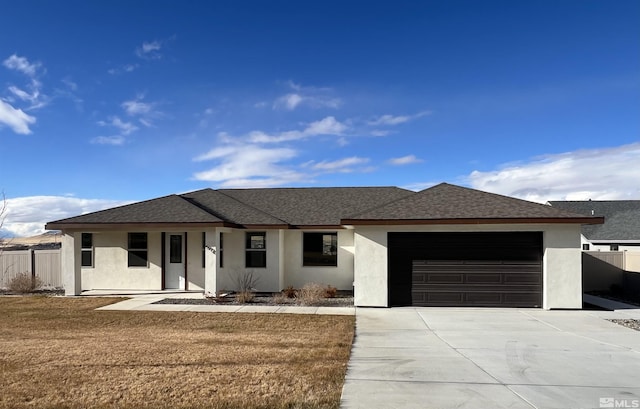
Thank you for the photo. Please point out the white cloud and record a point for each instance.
(116, 140)
(325, 126)
(145, 112)
(21, 64)
(70, 84)
(125, 127)
(249, 165)
(405, 160)
(26, 216)
(123, 68)
(150, 50)
(396, 119)
(378, 132)
(342, 165)
(312, 97)
(15, 119)
(598, 174)
(136, 107)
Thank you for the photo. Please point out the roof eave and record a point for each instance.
(533, 220)
(129, 226)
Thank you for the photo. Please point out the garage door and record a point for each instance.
(488, 269)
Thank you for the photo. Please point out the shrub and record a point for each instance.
(244, 297)
(330, 292)
(281, 298)
(246, 286)
(310, 294)
(24, 283)
(289, 292)
(246, 281)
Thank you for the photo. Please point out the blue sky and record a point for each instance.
(106, 102)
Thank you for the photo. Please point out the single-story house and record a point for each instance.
(620, 230)
(444, 246)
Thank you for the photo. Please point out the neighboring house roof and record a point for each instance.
(445, 203)
(324, 207)
(621, 218)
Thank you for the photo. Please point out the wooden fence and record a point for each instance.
(603, 269)
(44, 264)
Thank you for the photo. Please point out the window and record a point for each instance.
(175, 248)
(204, 248)
(320, 249)
(221, 250)
(87, 250)
(585, 247)
(137, 248)
(613, 247)
(256, 250)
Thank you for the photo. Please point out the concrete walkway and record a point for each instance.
(144, 302)
(492, 358)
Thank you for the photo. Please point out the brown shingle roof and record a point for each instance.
(316, 206)
(227, 208)
(171, 209)
(456, 204)
(326, 207)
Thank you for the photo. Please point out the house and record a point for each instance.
(444, 246)
(619, 232)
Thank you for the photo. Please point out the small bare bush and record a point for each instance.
(244, 297)
(280, 298)
(290, 292)
(246, 283)
(311, 294)
(24, 283)
(330, 292)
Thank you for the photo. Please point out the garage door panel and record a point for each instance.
(458, 269)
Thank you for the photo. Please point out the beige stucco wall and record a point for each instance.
(296, 275)
(268, 279)
(562, 265)
(110, 269)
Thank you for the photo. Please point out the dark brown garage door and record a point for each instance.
(466, 269)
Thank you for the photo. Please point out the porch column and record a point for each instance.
(70, 263)
(211, 261)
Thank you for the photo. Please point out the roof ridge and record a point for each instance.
(251, 206)
(202, 207)
(410, 193)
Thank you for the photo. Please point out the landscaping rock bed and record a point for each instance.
(342, 301)
(629, 323)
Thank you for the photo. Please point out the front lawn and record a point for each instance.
(59, 352)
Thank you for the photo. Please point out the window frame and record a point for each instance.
(307, 260)
(221, 250)
(131, 249)
(250, 250)
(86, 249)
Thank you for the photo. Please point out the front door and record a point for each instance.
(174, 273)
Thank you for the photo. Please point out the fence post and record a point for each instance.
(32, 263)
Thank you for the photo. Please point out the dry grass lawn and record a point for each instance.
(58, 352)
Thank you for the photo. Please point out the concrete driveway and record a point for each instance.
(492, 358)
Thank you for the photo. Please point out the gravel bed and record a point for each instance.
(259, 300)
(629, 323)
